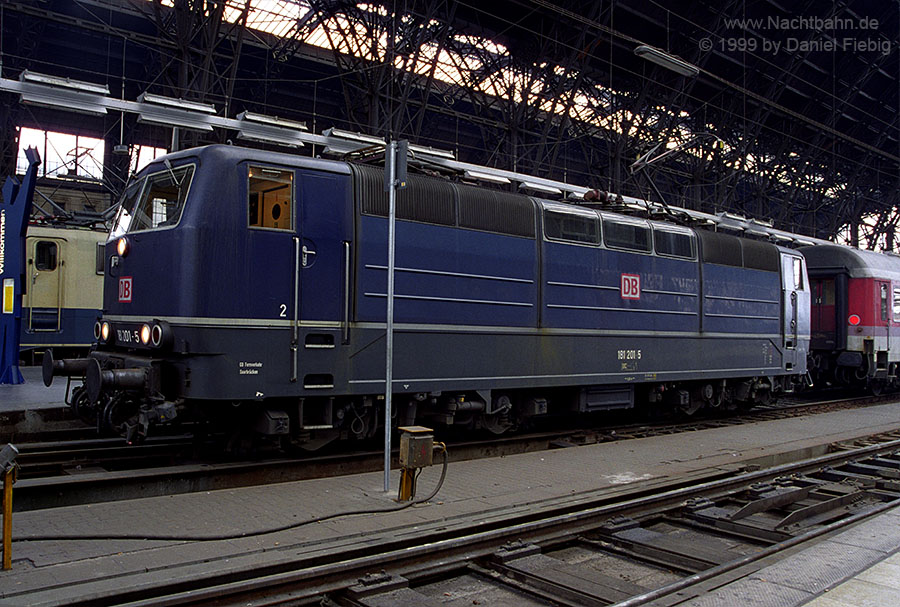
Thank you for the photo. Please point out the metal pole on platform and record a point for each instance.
(7, 518)
(8, 471)
(390, 160)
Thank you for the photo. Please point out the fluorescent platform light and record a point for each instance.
(272, 121)
(757, 232)
(537, 187)
(62, 99)
(57, 81)
(763, 222)
(181, 104)
(165, 116)
(257, 127)
(62, 93)
(425, 150)
(664, 59)
(485, 176)
(360, 137)
(730, 227)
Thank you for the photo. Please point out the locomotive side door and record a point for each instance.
(793, 287)
(43, 295)
(271, 218)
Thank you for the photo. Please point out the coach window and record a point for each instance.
(45, 256)
(271, 198)
(571, 227)
(896, 304)
(884, 302)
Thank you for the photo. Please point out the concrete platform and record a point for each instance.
(31, 408)
(33, 394)
(49, 572)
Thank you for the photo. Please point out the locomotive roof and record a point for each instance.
(234, 153)
(855, 262)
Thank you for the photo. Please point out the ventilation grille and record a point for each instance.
(430, 200)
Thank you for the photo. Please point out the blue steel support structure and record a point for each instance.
(15, 208)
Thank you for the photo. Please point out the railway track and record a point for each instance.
(69, 473)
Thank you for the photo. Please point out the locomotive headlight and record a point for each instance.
(104, 331)
(97, 331)
(161, 334)
(145, 334)
(122, 246)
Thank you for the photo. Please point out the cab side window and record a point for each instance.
(45, 256)
(271, 198)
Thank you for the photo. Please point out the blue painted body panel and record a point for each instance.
(740, 300)
(583, 290)
(448, 276)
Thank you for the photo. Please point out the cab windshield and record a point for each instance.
(155, 201)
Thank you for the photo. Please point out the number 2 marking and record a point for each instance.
(283, 313)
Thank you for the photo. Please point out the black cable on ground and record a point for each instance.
(234, 536)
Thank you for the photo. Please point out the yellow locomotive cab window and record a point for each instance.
(270, 198)
(45, 254)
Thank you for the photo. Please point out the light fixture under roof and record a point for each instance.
(485, 176)
(538, 187)
(664, 59)
(168, 111)
(360, 137)
(272, 121)
(68, 83)
(164, 116)
(371, 140)
(425, 150)
(270, 129)
(181, 104)
(62, 93)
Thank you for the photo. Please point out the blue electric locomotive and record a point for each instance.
(250, 286)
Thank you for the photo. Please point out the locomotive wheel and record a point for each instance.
(692, 407)
(877, 386)
(496, 423)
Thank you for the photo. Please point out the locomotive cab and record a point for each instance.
(204, 294)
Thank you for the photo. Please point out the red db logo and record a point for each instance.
(631, 286)
(125, 289)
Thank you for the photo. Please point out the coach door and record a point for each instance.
(43, 295)
(884, 315)
(823, 311)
